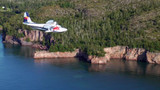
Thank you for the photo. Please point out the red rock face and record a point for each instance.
(123, 52)
(153, 57)
(92, 59)
(135, 54)
(116, 52)
(39, 46)
(33, 35)
(46, 54)
(99, 60)
(10, 39)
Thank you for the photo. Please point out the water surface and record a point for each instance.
(19, 71)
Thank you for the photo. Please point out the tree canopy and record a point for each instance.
(92, 24)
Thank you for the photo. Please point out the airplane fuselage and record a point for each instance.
(36, 26)
(44, 27)
(49, 26)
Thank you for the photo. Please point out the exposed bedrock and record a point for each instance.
(117, 52)
(30, 38)
(153, 57)
(123, 52)
(33, 35)
(76, 53)
(46, 54)
(10, 39)
(137, 54)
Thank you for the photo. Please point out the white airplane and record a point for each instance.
(49, 26)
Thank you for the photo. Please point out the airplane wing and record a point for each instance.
(50, 22)
(48, 27)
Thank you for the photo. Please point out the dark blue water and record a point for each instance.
(19, 71)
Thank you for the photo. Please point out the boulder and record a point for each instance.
(136, 54)
(10, 39)
(39, 46)
(98, 60)
(116, 52)
(153, 57)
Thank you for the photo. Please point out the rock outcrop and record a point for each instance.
(32, 35)
(123, 52)
(76, 53)
(98, 60)
(135, 54)
(39, 46)
(116, 52)
(153, 57)
(10, 39)
(46, 54)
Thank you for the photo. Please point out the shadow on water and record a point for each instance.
(18, 50)
(1, 47)
(127, 67)
(114, 66)
(72, 63)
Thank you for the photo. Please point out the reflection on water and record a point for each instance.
(72, 63)
(26, 51)
(1, 47)
(115, 66)
(130, 67)
(18, 70)
(57, 61)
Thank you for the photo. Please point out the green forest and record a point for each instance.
(92, 24)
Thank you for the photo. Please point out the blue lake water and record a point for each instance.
(19, 71)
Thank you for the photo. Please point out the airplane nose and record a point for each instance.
(65, 29)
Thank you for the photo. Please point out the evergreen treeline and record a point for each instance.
(92, 25)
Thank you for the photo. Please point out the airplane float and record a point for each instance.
(49, 26)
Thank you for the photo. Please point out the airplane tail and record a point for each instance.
(27, 19)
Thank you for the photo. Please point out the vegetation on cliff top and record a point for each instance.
(92, 24)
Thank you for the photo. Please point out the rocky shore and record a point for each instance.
(32, 36)
(117, 52)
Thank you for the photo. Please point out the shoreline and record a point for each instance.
(116, 52)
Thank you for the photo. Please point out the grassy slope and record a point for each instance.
(94, 24)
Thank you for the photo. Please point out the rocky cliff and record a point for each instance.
(117, 52)
(123, 52)
(33, 35)
(46, 54)
(30, 38)
(137, 54)
(153, 57)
